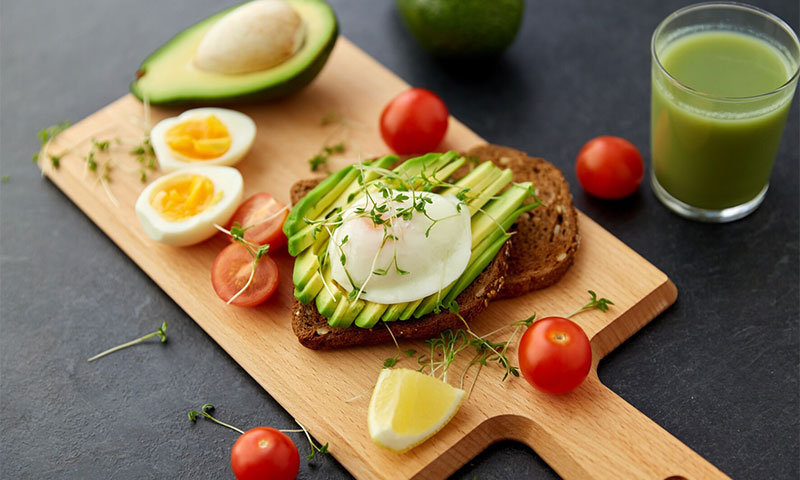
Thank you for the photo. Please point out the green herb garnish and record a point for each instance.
(205, 412)
(594, 302)
(443, 350)
(145, 156)
(46, 136)
(257, 252)
(321, 158)
(160, 333)
(207, 408)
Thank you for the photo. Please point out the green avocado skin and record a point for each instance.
(462, 29)
(269, 91)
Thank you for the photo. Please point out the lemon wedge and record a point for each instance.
(409, 407)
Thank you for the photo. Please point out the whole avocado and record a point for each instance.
(462, 29)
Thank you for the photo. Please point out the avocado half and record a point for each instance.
(168, 76)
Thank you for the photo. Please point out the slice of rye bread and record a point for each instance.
(547, 237)
(313, 331)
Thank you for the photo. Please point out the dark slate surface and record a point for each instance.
(719, 369)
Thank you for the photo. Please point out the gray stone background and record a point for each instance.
(719, 369)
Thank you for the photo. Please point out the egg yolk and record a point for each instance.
(184, 196)
(199, 138)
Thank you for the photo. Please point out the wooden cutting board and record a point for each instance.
(588, 433)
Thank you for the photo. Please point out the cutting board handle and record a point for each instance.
(604, 437)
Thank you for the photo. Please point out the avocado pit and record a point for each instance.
(254, 37)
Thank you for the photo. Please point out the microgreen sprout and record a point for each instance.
(330, 118)
(321, 158)
(145, 157)
(5, 179)
(46, 136)
(442, 350)
(91, 163)
(207, 408)
(205, 412)
(101, 146)
(328, 149)
(392, 361)
(594, 302)
(160, 333)
(257, 252)
(322, 450)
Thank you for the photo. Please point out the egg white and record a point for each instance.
(432, 262)
(201, 226)
(241, 128)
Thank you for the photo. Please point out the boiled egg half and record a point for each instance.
(202, 136)
(182, 207)
(421, 255)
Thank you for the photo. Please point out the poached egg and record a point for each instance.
(401, 260)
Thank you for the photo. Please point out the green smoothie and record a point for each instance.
(708, 151)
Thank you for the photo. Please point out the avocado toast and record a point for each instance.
(326, 315)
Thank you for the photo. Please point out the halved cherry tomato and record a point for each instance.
(555, 355)
(230, 273)
(264, 452)
(266, 215)
(609, 167)
(414, 122)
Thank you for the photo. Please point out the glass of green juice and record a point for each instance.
(723, 77)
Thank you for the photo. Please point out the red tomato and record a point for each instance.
(230, 273)
(609, 167)
(555, 355)
(414, 122)
(264, 452)
(267, 215)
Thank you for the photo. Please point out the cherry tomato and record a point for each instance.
(264, 452)
(609, 167)
(230, 273)
(414, 122)
(555, 355)
(267, 215)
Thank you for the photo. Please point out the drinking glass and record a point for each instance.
(723, 76)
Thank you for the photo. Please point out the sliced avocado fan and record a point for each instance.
(169, 75)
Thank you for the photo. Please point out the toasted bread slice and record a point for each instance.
(547, 237)
(313, 331)
(537, 256)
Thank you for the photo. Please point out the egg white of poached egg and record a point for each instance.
(241, 131)
(432, 262)
(173, 228)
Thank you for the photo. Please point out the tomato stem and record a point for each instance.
(161, 333)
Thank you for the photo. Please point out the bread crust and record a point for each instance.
(547, 238)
